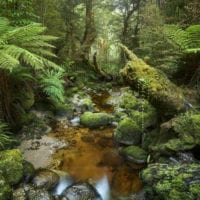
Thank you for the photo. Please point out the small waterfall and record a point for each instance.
(63, 183)
(75, 121)
(103, 188)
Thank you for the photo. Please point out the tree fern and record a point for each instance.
(188, 40)
(52, 84)
(25, 45)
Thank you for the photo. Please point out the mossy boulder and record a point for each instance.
(128, 132)
(5, 189)
(93, 120)
(135, 154)
(185, 132)
(11, 165)
(154, 84)
(137, 108)
(174, 182)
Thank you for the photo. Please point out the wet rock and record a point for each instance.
(161, 92)
(19, 194)
(45, 178)
(79, 191)
(163, 181)
(128, 132)
(93, 120)
(11, 166)
(28, 171)
(135, 154)
(39, 194)
(5, 189)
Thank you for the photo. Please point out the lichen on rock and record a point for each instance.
(174, 182)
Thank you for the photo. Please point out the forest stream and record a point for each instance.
(91, 155)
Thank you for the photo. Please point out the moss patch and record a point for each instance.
(174, 182)
(11, 165)
(153, 83)
(128, 132)
(93, 120)
(5, 190)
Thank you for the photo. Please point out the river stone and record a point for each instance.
(174, 182)
(93, 120)
(45, 178)
(5, 189)
(11, 166)
(80, 191)
(39, 194)
(128, 132)
(135, 154)
(19, 194)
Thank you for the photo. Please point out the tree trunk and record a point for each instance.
(90, 32)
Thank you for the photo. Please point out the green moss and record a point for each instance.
(11, 165)
(187, 130)
(172, 181)
(162, 93)
(93, 120)
(136, 108)
(136, 154)
(5, 190)
(128, 132)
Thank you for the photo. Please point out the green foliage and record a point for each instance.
(5, 136)
(19, 12)
(24, 45)
(51, 83)
(188, 40)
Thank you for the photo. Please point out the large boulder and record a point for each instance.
(184, 131)
(93, 120)
(5, 189)
(174, 182)
(128, 132)
(154, 84)
(11, 165)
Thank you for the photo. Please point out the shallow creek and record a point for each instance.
(91, 155)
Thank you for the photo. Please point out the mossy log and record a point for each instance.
(153, 84)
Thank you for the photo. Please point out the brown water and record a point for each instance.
(91, 155)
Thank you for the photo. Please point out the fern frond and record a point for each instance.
(188, 40)
(52, 84)
(5, 136)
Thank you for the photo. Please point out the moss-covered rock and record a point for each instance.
(174, 182)
(5, 190)
(11, 166)
(139, 109)
(135, 154)
(93, 120)
(28, 170)
(185, 132)
(128, 132)
(161, 92)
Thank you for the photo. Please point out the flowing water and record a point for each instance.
(91, 155)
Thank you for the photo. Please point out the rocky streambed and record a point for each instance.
(103, 145)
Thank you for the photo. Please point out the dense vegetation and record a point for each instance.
(48, 46)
